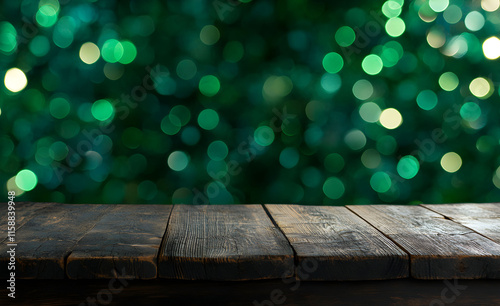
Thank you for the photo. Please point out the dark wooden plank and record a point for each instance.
(482, 218)
(24, 212)
(438, 248)
(47, 239)
(126, 241)
(400, 292)
(332, 243)
(221, 242)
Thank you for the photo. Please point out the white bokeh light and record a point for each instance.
(15, 80)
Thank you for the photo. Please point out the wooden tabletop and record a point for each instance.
(254, 242)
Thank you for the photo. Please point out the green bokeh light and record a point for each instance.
(470, 111)
(59, 108)
(8, 42)
(372, 64)
(217, 150)
(40, 46)
(58, 150)
(362, 89)
(171, 124)
(370, 112)
(186, 69)
(452, 14)
(448, 81)
(190, 135)
(438, 5)
(209, 85)
(331, 82)
(297, 103)
(333, 62)
(26, 180)
(345, 36)
(408, 167)
(112, 51)
(264, 136)
(102, 110)
(208, 119)
(395, 27)
(427, 99)
(355, 139)
(182, 113)
(289, 157)
(46, 16)
(333, 188)
(380, 182)
(178, 160)
(128, 54)
(391, 9)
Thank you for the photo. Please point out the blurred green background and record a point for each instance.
(226, 101)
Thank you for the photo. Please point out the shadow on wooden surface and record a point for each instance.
(266, 293)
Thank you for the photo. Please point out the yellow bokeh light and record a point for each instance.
(390, 118)
(15, 80)
(490, 5)
(480, 87)
(496, 178)
(491, 48)
(451, 162)
(89, 53)
(436, 38)
(12, 186)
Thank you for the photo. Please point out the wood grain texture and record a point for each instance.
(47, 239)
(125, 242)
(482, 218)
(220, 242)
(438, 248)
(24, 212)
(332, 243)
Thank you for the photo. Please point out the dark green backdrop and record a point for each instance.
(225, 101)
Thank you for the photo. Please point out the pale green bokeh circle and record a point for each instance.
(448, 81)
(26, 180)
(372, 64)
(178, 160)
(395, 27)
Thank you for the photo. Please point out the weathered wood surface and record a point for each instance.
(482, 218)
(438, 248)
(125, 242)
(220, 242)
(332, 243)
(240, 242)
(24, 212)
(48, 237)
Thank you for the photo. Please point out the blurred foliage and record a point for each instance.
(226, 101)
